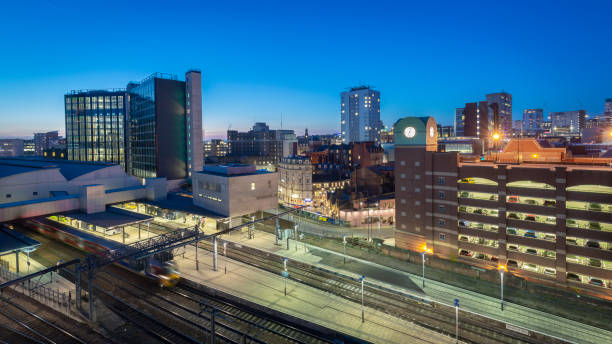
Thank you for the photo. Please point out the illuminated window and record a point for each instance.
(252, 186)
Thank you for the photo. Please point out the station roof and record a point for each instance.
(69, 169)
(111, 218)
(11, 241)
(182, 202)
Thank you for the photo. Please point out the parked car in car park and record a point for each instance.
(512, 264)
(465, 253)
(513, 199)
(573, 277)
(531, 251)
(530, 234)
(597, 282)
(593, 244)
(549, 203)
(530, 267)
(480, 256)
(511, 230)
(550, 271)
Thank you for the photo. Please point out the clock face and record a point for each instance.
(409, 132)
(431, 131)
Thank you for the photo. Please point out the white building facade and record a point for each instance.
(235, 189)
(295, 185)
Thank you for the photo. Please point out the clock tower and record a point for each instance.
(417, 218)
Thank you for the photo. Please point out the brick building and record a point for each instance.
(546, 218)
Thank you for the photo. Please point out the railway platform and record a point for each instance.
(517, 317)
(304, 302)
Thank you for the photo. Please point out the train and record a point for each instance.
(159, 267)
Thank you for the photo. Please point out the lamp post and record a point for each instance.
(456, 320)
(502, 269)
(361, 279)
(496, 138)
(285, 273)
(344, 243)
(425, 250)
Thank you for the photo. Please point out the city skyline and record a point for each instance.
(282, 65)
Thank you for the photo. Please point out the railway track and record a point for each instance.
(27, 327)
(427, 315)
(194, 312)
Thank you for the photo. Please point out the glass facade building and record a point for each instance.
(142, 129)
(95, 126)
(153, 128)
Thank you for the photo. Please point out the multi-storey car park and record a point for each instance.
(529, 209)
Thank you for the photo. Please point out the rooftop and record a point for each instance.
(68, 168)
(111, 218)
(11, 241)
(232, 170)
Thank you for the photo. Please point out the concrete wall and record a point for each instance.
(32, 185)
(41, 208)
(235, 195)
(245, 200)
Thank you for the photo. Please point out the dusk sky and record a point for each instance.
(264, 58)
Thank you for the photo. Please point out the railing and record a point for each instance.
(52, 297)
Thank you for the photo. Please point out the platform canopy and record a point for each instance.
(111, 218)
(12, 241)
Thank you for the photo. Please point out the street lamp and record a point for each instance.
(285, 273)
(344, 243)
(361, 279)
(502, 269)
(425, 250)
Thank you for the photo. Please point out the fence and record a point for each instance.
(34, 288)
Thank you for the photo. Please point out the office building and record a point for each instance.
(485, 118)
(500, 113)
(532, 120)
(11, 147)
(295, 186)
(537, 211)
(235, 189)
(360, 115)
(459, 122)
(569, 123)
(165, 125)
(44, 141)
(608, 106)
(152, 128)
(95, 126)
(29, 148)
(446, 131)
(215, 147)
(260, 141)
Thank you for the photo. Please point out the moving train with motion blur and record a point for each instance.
(158, 267)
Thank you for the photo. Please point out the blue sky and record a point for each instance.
(261, 59)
